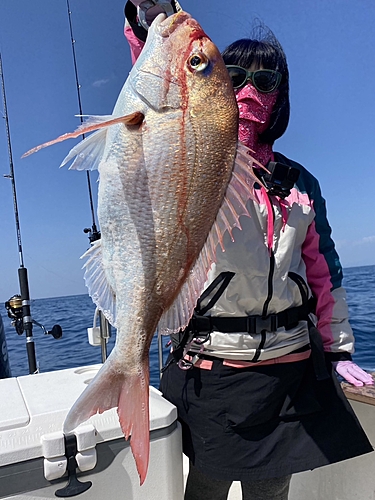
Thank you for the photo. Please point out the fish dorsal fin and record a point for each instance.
(239, 191)
(97, 284)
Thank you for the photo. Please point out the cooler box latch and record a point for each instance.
(67, 453)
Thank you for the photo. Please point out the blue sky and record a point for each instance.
(330, 49)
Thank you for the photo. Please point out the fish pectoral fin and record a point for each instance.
(97, 284)
(135, 118)
(92, 124)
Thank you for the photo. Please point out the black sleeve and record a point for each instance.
(338, 356)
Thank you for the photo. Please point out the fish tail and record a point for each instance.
(130, 393)
(134, 418)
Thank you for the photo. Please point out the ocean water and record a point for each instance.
(75, 314)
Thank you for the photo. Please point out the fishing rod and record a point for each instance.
(104, 328)
(24, 300)
(93, 233)
(18, 306)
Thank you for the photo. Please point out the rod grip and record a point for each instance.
(25, 296)
(30, 348)
(27, 320)
(24, 283)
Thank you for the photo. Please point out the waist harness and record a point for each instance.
(201, 326)
(249, 324)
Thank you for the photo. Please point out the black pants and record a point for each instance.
(263, 422)
(201, 487)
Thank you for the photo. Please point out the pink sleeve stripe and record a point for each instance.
(317, 273)
(135, 44)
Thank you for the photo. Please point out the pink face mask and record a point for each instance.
(255, 112)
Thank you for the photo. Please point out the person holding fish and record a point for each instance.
(212, 237)
(252, 374)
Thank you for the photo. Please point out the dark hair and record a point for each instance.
(267, 52)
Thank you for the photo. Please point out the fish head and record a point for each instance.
(180, 67)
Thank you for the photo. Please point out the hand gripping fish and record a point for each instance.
(173, 180)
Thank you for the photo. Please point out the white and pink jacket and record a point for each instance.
(302, 244)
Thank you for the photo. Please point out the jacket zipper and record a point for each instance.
(270, 285)
(269, 292)
(271, 270)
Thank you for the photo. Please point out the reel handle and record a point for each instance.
(56, 332)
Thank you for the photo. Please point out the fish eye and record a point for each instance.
(198, 62)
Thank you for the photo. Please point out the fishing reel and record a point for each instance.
(15, 313)
(14, 310)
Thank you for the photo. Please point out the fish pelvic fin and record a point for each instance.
(130, 393)
(93, 123)
(239, 191)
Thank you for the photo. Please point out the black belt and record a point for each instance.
(201, 327)
(250, 324)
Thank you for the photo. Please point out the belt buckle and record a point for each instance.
(268, 324)
(148, 4)
(251, 324)
(201, 326)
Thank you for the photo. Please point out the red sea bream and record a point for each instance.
(173, 180)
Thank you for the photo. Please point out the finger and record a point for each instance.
(360, 374)
(351, 379)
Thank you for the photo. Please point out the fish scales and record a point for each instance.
(165, 158)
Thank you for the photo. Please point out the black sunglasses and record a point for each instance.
(264, 80)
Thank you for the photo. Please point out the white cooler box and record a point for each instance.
(33, 464)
